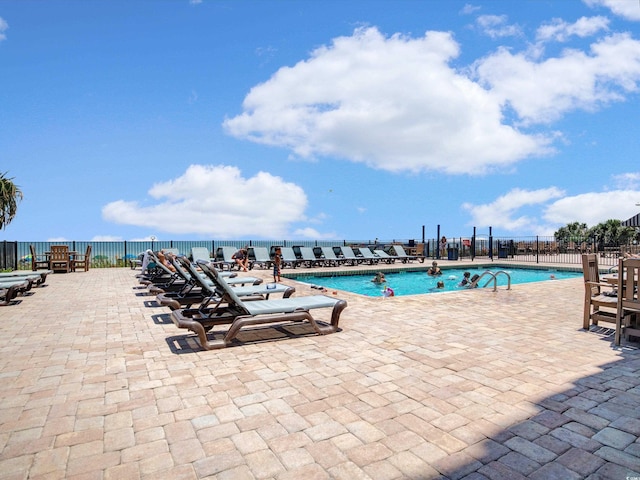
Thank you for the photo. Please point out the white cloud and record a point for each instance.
(391, 103)
(627, 181)
(3, 27)
(469, 9)
(312, 233)
(216, 201)
(496, 26)
(560, 31)
(542, 212)
(504, 211)
(628, 9)
(594, 207)
(541, 92)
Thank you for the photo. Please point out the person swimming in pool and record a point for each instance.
(434, 270)
(379, 278)
(468, 281)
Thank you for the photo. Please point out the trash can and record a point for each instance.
(503, 250)
(452, 253)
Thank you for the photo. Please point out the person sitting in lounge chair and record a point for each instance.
(162, 256)
(379, 278)
(434, 270)
(242, 259)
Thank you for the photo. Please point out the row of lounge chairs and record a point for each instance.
(202, 297)
(307, 256)
(20, 283)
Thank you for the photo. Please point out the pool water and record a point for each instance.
(412, 283)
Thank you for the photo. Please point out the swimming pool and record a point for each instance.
(412, 282)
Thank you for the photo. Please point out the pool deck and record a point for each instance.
(98, 383)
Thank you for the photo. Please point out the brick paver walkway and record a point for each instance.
(97, 383)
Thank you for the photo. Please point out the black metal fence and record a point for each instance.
(538, 249)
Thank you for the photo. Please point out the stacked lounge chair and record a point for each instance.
(232, 310)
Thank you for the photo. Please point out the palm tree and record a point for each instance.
(575, 231)
(10, 195)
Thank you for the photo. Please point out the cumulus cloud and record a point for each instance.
(628, 9)
(548, 209)
(560, 31)
(594, 207)
(496, 26)
(216, 201)
(543, 91)
(504, 212)
(392, 103)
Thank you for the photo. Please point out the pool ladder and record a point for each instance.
(494, 278)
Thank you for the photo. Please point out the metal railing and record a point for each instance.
(17, 255)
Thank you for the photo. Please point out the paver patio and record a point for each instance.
(99, 384)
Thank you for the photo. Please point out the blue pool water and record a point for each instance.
(412, 283)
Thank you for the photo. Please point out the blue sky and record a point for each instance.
(305, 120)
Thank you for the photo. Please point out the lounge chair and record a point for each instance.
(224, 257)
(368, 255)
(330, 258)
(385, 257)
(202, 288)
(201, 253)
(39, 276)
(349, 256)
(402, 255)
(308, 258)
(10, 289)
(259, 256)
(240, 314)
(289, 257)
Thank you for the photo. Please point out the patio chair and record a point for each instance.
(81, 260)
(38, 261)
(628, 311)
(600, 300)
(59, 258)
(238, 314)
